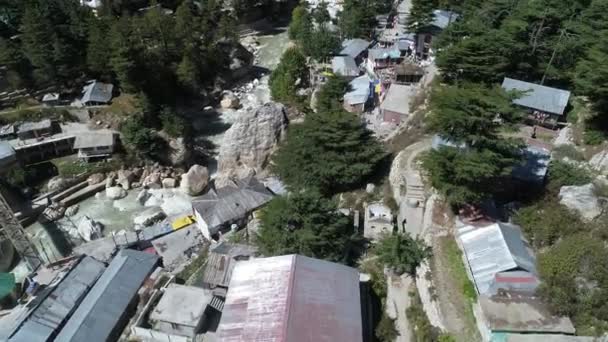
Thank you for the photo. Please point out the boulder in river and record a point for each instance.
(195, 181)
(149, 217)
(89, 229)
(143, 196)
(58, 183)
(125, 178)
(169, 183)
(581, 199)
(96, 178)
(115, 193)
(73, 210)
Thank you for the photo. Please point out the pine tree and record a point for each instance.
(38, 38)
(591, 77)
(305, 223)
(321, 43)
(331, 95)
(188, 72)
(421, 14)
(301, 24)
(124, 56)
(17, 66)
(284, 79)
(98, 53)
(330, 151)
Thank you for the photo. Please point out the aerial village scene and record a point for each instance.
(304, 170)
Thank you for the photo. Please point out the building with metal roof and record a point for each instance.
(359, 94)
(354, 47)
(538, 97)
(396, 105)
(221, 207)
(292, 298)
(8, 155)
(344, 66)
(378, 221)
(95, 144)
(221, 262)
(492, 249)
(96, 93)
(52, 308)
(30, 130)
(103, 313)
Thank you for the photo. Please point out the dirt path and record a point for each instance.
(397, 301)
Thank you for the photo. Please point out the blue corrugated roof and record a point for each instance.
(101, 310)
(344, 66)
(59, 303)
(354, 47)
(97, 92)
(536, 96)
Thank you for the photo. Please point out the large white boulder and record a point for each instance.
(116, 192)
(149, 217)
(582, 199)
(89, 229)
(252, 138)
(599, 162)
(58, 183)
(195, 180)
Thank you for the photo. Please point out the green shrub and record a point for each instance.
(594, 137)
(568, 151)
(385, 330)
(547, 221)
(562, 174)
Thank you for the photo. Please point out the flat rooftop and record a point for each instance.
(183, 305)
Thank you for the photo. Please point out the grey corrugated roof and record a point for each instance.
(536, 96)
(7, 153)
(383, 53)
(34, 126)
(97, 92)
(496, 248)
(223, 205)
(344, 66)
(45, 319)
(354, 47)
(397, 99)
(292, 298)
(100, 312)
(94, 139)
(535, 165)
(360, 90)
(7, 130)
(222, 260)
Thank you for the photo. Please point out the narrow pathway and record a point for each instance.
(397, 301)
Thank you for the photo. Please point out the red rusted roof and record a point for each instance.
(292, 298)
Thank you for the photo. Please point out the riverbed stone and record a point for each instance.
(143, 196)
(89, 229)
(125, 178)
(58, 183)
(115, 193)
(149, 217)
(73, 210)
(169, 183)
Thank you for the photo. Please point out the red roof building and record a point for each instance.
(292, 298)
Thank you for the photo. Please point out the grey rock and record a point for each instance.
(252, 139)
(89, 229)
(143, 196)
(58, 183)
(370, 188)
(581, 199)
(110, 180)
(195, 181)
(116, 192)
(169, 183)
(96, 178)
(73, 210)
(125, 178)
(599, 162)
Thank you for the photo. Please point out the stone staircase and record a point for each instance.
(415, 190)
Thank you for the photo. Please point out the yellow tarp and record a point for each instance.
(182, 222)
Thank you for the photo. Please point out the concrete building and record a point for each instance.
(379, 58)
(36, 130)
(104, 312)
(220, 208)
(45, 315)
(180, 311)
(396, 105)
(8, 131)
(96, 93)
(292, 298)
(356, 100)
(378, 221)
(97, 144)
(546, 105)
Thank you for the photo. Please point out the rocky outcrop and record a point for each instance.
(252, 139)
(564, 137)
(599, 162)
(195, 180)
(73, 210)
(169, 183)
(115, 193)
(149, 217)
(581, 199)
(89, 229)
(125, 178)
(53, 212)
(153, 180)
(230, 101)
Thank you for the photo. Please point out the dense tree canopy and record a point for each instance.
(330, 151)
(402, 253)
(290, 75)
(308, 224)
